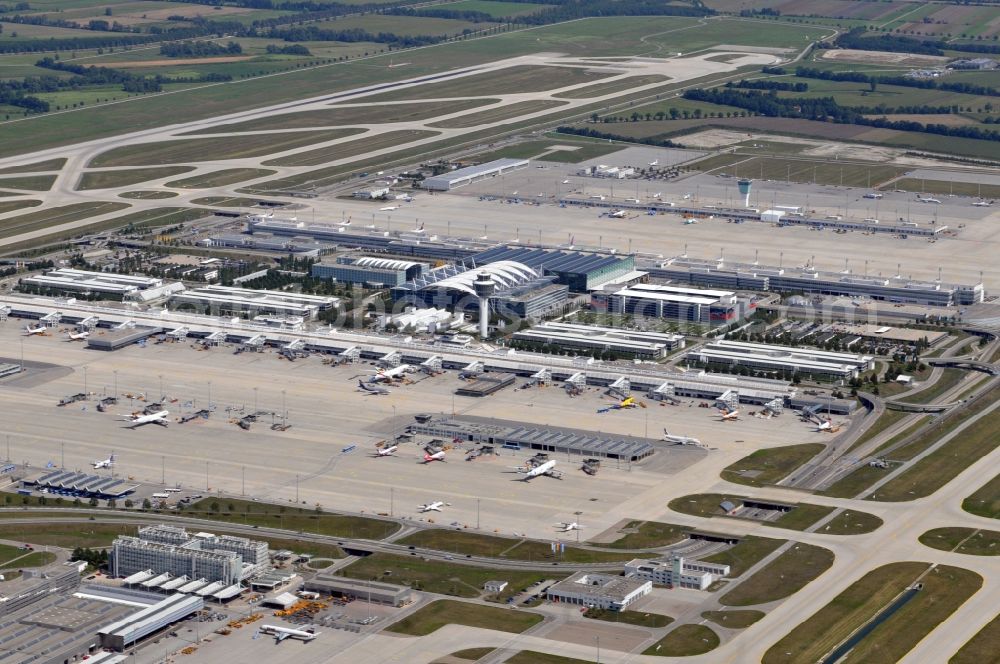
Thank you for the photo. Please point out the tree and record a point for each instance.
(214, 506)
(146, 504)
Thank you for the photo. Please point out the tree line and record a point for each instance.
(768, 85)
(826, 109)
(199, 49)
(855, 38)
(594, 133)
(904, 81)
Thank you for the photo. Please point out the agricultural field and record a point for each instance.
(497, 8)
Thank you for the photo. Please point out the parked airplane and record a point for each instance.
(437, 456)
(385, 451)
(30, 331)
(617, 214)
(829, 427)
(655, 162)
(106, 463)
(282, 633)
(679, 440)
(547, 468)
(389, 208)
(372, 389)
(690, 221)
(565, 527)
(982, 203)
(434, 507)
(729, 415)
(78, 336)
(565, 182)
(345, 223)
(419, 230)
(395, 373)
(927, 199)
(872, 196)
(159, 417)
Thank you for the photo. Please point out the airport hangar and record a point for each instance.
(658, 382)
(463, 176)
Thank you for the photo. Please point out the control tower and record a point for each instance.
(485, 287)
(744, 187)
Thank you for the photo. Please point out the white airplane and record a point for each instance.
(690, 221)
(372, 389)
(434, 507)
(437, 456)
(107, 463)
(79, 336)
(419, 230)
(389, 208)
(153, 418)
(982, 204)
(345, 223)
(828, 427)
(617, 214)
(395, 373)
(658, 195)
(282, 633)
(679, 440)
(30, 331)
(547, 468)
(655, 162)
(385, 451)
(565, 527)
(565, 181)
(729, 415)
(927, 199)
(687, 197)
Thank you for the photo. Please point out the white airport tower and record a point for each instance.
(744, 187)
(485, 287)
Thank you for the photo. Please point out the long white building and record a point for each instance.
(811, 363)
(70, 280)
(677, 572)
(675, 303)
(601, 591)
(247, 303)
(593, 338)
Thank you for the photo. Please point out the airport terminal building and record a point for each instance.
(369, 271)
(818, 365)
(713, 308)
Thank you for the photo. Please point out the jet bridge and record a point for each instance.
(351, 354)
(432, 365)
(256, 342)
(215, 338)
(88, 323)
(542, 376)
(392, 359)
(665, 392)
(178, 334)
(622, 387)
(51, 318)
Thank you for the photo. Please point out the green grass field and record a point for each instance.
(800, 517)
(147, 195)
(980, 648)
(347, 115)
(15, 557)
(291, 518)
(820, 171)
(111, 179)
(770, 466)
(472, 654)
(736, 619)
(969, 541)
(10, 206)
(685, 641)
(784, 576)
(66, 535)
(947, 188)
(504, 112)
(32, 221)
(748, 552)
(444, 578)
(649, 534)
(948, 380)
(404, 25)
(29, 182)
(637, 618)
(37, 167)
(532, 657)
(850, 522)
(583, 149)
(858, 94)
(164, 216)
(941, 466)
(603, 89)
(224, 201)
(211, 149)
(519, 78)
(985, 501)
(220, 178)
(888, 419)
(944, 589)
(476, 544)
(434, 616)
(350, 148)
